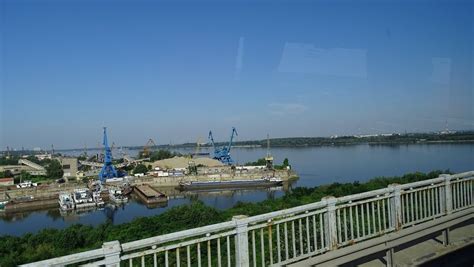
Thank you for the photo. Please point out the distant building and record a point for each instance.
(70, 167)
(6, 181)
(16, 169)
(373, 135)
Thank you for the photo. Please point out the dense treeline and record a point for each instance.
(52, 242)
(395, 139)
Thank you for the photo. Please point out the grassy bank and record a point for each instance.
(52, 242)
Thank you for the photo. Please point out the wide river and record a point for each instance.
(315, 166)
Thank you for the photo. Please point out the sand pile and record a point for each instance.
(182, 162)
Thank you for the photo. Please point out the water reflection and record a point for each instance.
(120, 213)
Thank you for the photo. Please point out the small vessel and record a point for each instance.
(262, 182)
(66, 202)
(117, 196)
(99, 202)
(83, 198)
(127, 189)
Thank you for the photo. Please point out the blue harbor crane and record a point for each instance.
(108, 170)
(223, 153)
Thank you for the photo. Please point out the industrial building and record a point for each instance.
(24, 165)
(70, 167)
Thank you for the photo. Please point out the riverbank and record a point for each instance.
(46, 196)
(52, 242)
(446, 137)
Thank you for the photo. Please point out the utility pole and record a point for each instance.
(269, 157)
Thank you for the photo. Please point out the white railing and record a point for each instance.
(290, 235)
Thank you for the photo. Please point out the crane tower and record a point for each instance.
(108, 170)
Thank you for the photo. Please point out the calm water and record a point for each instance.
(320, 165)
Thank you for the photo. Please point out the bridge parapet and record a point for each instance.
(292, 235)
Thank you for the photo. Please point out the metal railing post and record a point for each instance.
(241, 241)
(396, 206)
(448, 204)
(330, 226)
(112, 253)
(448, 196)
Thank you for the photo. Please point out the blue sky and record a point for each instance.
(172, 70)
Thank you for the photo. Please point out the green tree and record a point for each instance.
(7, 174)
(259, 162)
(54, 169)
(140, 168)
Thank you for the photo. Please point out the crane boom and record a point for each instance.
(234, 131)
(212, 140)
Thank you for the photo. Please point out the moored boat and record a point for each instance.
(150, 195)
(83, 198)
(117, 196)
(99, 202)
(200, 185)
(66, 202)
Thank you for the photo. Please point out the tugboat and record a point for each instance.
(66, 203)
(262, 182)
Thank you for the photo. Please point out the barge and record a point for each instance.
(149, 195)
(236, 184)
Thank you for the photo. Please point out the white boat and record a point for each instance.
(98, 199)
(66, 202)
(83, 198)
(117, 196)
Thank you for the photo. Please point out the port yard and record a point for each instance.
(46, 195)
(90, 182)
